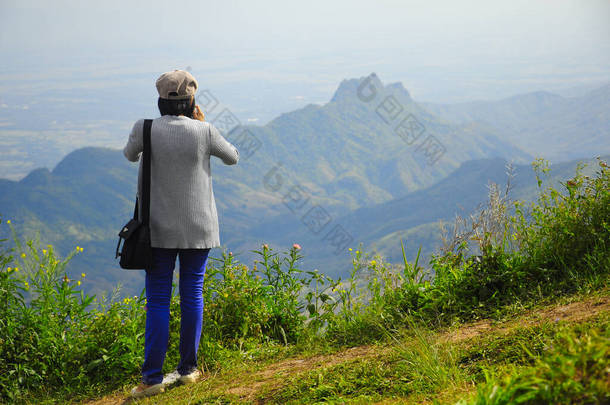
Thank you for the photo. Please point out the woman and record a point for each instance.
(183, 221)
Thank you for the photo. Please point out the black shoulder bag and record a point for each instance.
(136, 253)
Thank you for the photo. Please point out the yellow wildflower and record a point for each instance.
(357, 251)
(83, 275)
(8, 221)
(23, 255)
(78, 282)
(26, 284)
(226, 295)
(373, 262)
(44, 251)
(9, 270)
(16, 269)
(350, 249)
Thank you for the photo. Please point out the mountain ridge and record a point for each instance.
(542, 123)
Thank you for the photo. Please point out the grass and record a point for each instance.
(276, 334)
(422, 366)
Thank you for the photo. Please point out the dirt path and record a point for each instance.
(276, 372)
(273, 375)
(575, 311)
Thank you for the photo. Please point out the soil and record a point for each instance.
(573, 312)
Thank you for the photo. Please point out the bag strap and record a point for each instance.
(146, 173)
(135, 210)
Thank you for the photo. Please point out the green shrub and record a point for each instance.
(558, 246)
(54, 337)
(566, 234)
(58, 341)
(241, 304)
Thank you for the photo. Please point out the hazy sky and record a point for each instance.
(441, 50)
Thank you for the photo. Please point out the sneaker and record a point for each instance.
(144, 390)
(191, 377)
(171, 378)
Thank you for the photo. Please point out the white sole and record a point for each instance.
(189, 379)
(171, 378)
(153, 390)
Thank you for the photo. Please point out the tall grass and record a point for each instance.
(558, 244)
(60, 342)
(54, 337)
(573, 371)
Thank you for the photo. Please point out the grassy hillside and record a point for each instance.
(516, 312)
(420, 366)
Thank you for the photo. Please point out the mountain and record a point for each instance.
(82, 201)
(346, 154)
(370, 144)
(541, 123)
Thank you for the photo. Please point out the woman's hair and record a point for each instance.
(177, 107)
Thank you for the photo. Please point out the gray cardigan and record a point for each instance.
(182, 206)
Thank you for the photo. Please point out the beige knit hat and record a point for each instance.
(176, 85)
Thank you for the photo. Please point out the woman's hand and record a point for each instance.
(198, 114)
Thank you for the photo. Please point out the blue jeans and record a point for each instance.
(158, 295)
